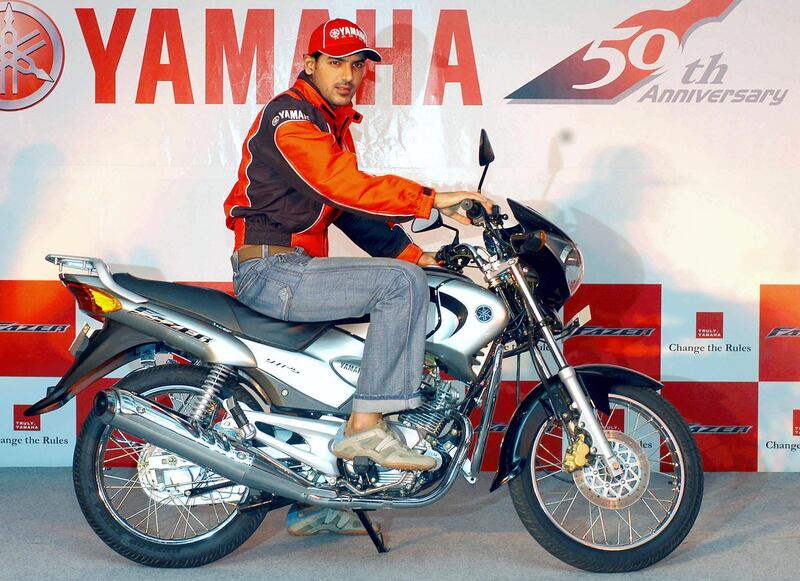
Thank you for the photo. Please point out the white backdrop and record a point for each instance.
(701, 193)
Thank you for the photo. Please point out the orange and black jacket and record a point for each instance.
(299, 174)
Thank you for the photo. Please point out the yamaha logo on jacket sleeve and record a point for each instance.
(289, 115)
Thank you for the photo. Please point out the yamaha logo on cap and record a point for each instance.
(484, 313)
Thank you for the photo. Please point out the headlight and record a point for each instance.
(572, 260)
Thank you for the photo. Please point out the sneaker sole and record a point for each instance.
(351, 533)
(394, 465)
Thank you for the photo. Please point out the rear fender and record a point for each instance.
(596, 379)
(108, 349)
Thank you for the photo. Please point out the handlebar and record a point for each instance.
(473, 209)
(451, 254)
(456, 256)
(477, 214)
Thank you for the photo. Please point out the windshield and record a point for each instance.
(559, 264)
(532, 220)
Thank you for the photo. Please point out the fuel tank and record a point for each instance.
(463, 317)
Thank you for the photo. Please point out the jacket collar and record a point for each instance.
(339, 115)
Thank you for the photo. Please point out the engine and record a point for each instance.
(424, 429)
(430, 418)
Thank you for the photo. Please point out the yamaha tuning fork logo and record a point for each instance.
(31, 55)
(484, 313)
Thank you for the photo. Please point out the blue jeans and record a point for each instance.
(296, 287)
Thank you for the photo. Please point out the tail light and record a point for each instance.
(94, 301)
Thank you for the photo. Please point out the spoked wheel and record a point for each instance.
(601, 523)
(143, 501)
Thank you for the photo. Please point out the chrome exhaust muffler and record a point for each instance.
(162, 427)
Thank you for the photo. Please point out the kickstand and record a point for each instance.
(377, 538)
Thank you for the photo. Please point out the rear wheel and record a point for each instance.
(136, 496)
(604, 524)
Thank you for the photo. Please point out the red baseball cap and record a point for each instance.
(340, 37)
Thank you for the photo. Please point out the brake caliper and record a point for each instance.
(577, 454)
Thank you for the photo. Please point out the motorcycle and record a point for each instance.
(177, 465)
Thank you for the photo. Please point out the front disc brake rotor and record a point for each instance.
(600, 488)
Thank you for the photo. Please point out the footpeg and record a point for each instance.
(366, 471)
(362, 465)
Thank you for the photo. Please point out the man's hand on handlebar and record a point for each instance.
(428, 259)
(448, 204)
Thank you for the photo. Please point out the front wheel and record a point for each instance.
(137, 496)
(599, 523)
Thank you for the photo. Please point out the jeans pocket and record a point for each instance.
(267, 296)
(243, 277)
(292, 260)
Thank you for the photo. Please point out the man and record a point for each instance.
(298, 175)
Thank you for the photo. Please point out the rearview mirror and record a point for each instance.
(485, 152)
(425, 224)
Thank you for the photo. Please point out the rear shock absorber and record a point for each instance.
(205, 404)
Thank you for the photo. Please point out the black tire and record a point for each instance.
(565, 547)
(234, 530)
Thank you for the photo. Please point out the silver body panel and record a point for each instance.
(471, 317)
(311, 371)
(317, 434)
(328, 370)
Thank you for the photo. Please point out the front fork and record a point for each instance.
(588, 418)
(472, 466)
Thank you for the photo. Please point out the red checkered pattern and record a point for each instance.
(625, 329)
(37, 326)
(727, 431)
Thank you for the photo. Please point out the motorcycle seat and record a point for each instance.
(225, 310)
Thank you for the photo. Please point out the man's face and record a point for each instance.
(336, 78)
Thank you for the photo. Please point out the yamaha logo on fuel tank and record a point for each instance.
(484, 313)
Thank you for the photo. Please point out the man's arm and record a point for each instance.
(379, 238)
(310, 161)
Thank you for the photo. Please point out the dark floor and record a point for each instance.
(749, 528)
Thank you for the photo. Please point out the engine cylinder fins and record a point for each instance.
(432, 422)
(429, 415)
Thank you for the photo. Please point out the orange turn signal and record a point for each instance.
(93, 300)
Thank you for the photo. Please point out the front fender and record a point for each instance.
(534, 409)
(110, 348)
